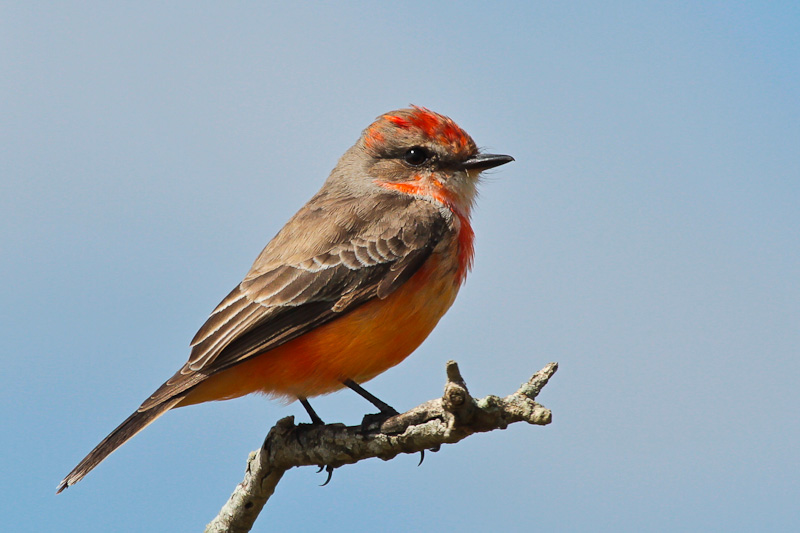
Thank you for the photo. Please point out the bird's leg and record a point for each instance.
(315, 419)
(371, 420)
(385, 408)
(386, 411)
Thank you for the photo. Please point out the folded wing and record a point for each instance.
(283, 297)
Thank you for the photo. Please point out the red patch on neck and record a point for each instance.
(466, 247)
(466, 236)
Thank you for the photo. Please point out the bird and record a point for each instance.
(348, 288)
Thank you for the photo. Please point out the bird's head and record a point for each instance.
(419, 152)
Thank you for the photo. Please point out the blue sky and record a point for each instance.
(647, 238)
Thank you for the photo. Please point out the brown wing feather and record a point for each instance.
(279, 302)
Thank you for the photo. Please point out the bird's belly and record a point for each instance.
(360, 345)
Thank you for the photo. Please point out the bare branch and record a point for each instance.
(449, 419)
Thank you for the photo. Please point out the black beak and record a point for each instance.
(486, 161)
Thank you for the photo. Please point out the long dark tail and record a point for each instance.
(130, 427)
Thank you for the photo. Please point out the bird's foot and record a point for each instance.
(329, 469)
(373, 421)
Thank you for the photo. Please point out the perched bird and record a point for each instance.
(349, 287)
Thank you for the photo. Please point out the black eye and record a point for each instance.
(416, 156)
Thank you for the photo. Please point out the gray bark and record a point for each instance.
(446, 420)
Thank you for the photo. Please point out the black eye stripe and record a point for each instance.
(416, 156)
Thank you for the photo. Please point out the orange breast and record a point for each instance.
(360, 345)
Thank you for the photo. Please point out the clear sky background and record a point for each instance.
(647, 238)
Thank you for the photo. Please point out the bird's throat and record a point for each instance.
(442, 195)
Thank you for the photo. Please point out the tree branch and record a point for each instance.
(449, 419)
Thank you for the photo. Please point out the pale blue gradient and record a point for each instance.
(647, 238)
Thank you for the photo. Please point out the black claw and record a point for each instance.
(328, 469)
(320, 468)
(421, 457)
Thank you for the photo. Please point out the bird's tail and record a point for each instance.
(125, 431)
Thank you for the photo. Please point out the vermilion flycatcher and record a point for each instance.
(350, 286)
